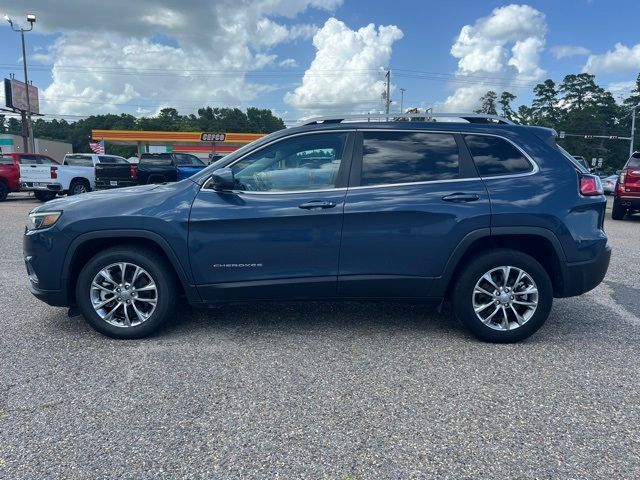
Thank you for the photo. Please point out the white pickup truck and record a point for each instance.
(74, 176)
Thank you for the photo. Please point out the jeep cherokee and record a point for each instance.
(492, 216)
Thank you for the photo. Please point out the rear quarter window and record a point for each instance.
(495, 156)
(112, 160)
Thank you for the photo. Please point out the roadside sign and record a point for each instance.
(600, 161)
(562, 134)
(212, 137)
(594, 161)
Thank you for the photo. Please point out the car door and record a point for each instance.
(414, 196)
(277, 234)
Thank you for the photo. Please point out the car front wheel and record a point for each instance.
(503, 296)
(126, 292)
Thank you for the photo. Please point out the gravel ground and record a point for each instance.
(339, 391)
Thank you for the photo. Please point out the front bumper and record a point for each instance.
(41, 186)
(55, 298)
(580, 277)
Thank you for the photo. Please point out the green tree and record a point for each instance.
(505, 104)
(545, 104)
(488, 103)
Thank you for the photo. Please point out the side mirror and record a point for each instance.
(222, 179)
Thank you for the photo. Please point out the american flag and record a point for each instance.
(97, 147)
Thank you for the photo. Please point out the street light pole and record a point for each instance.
(633, 128)
(31, 19)
(402, 90)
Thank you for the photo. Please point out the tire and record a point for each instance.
(78, 186)
(44, 196)
(498, 329)
(618, 211)
(143, 317)
(4, 191)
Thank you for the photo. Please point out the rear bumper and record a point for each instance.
(629, 202)
(49, 187)
(580, 277)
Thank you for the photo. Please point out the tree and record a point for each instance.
(545, 104)
(505, 104)
(578, 90)
(488, 103)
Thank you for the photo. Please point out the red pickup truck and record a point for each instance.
(10, 169)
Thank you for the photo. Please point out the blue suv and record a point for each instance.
(492, 216)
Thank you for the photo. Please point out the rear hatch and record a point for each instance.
(632, 175)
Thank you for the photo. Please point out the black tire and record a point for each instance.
(161, 274)
(79, 186)
(4, 191)
(618, 211)
(44, 196)
(465, 283)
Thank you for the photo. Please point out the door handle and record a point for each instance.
(317, 205)
(461, 197)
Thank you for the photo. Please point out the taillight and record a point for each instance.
(54, 172)
(590, 185)
(133, 171)
(622, 178)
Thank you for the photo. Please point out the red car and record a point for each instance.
(626, 198)
(10, 169)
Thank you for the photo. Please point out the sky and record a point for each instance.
(307, 57)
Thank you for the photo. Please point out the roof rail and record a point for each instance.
(398, 117)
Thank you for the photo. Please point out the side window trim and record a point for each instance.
(342, 179)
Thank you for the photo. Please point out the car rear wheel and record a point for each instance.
(4, 191)
(503, 296)
(44, 196)
(126, 292)
(618, 211)
(78, 186)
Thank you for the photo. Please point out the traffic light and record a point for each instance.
(588, 137)
(613, 137)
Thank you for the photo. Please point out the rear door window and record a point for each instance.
(634, 161)
(408, 157)
(156, 159)
(78, 160)
(495, 156)
(112, 160)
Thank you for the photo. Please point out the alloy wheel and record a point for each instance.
(124, 294)
(505, 298)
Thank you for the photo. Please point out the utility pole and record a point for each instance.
(402, 90)
(633, 128)
(31, 19)
(388, 75)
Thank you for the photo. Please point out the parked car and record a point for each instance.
(626, 199)
(115, 174)
(494, 217)
(609, 183)
(36, 166)
(75, 175)
(167, 167)
(9, 174)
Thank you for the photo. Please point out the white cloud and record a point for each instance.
(288, 63)
(620, 59)
(502, 48)
(360, 56)
(181, 53)
(621, 89)
(566, 51)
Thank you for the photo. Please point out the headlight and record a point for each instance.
(41, 220)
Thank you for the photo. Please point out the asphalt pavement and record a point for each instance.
(316, 390)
